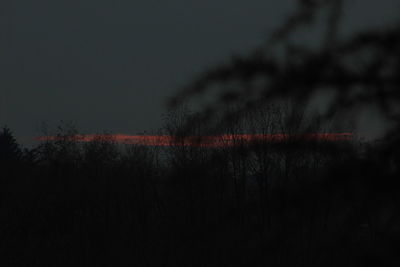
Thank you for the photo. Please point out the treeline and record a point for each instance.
(293, 203)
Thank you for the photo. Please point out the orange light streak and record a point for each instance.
(206, 141)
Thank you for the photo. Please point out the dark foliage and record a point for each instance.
(9, 149)
(294, 203)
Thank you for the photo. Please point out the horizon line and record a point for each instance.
(209, 140)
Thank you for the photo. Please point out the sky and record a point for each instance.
(111, 65)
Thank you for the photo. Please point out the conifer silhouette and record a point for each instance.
(10, 150)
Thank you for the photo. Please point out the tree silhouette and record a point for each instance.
(353, 186)
(10, 151)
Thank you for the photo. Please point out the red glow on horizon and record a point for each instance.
(207, 141)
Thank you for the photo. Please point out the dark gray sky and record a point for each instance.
(109, 65)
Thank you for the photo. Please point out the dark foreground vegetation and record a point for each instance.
(292, 203)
